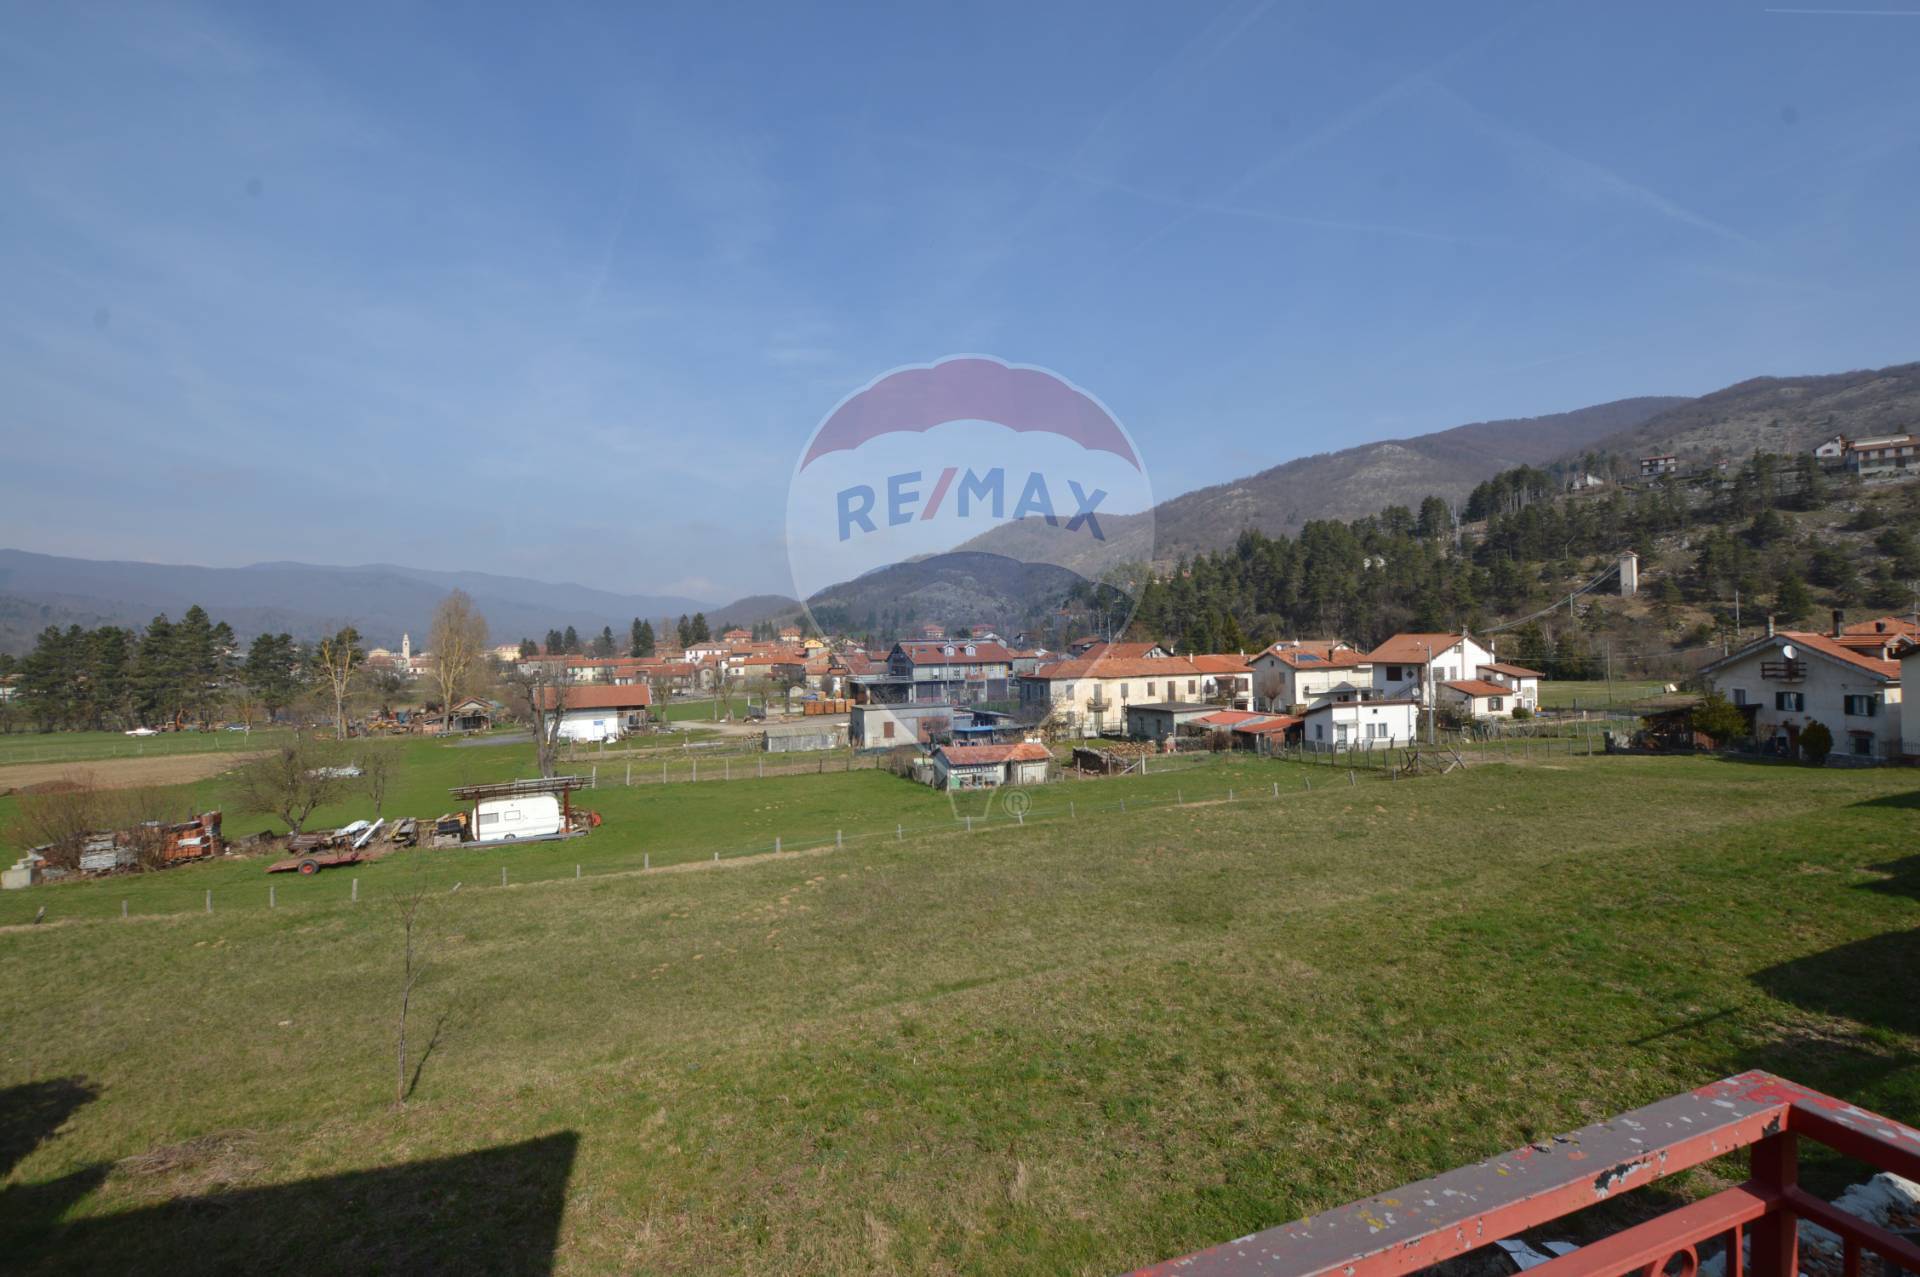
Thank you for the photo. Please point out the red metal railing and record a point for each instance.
(1421, 1224)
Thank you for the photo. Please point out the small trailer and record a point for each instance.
(347, 845)
(517, 811)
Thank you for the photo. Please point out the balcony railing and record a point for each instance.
(1790, 671)
(1422, 1224)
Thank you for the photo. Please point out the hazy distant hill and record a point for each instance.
(954, 589)
(1778, 414)
(753, 609)
(1349, 484)
(382, 600)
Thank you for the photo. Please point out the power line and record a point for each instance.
(1554, 606)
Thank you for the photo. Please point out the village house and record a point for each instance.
(1654, 467)
(1882, 456)
(1521, 683)
(1479, 698)
(1225, 678)
(590, 713)
(1090, 695)
(1411, 666)
(957, 671)
(1294, 674)
(1790, 679)
(1886, 637)
(1360, 724)
(1832, 452)
(989, 766)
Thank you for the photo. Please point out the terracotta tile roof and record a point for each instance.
(1114, 667)
(1478, 687)
(936, 653)
(1512, 671)
(1305, 657)
(1827, 647)
(986, 755)
(1220, 663)
(1881, 627)
(1276, 723)
(601, 696)
(1412, 649)
(1231, 718)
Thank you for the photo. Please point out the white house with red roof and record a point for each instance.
(1522, 684)
(1792, 678)
(597, 712)
(1479, 697)
(1090, 694)
(1225, 677)
(1412, 666)
(1296, 673)
(989, 766)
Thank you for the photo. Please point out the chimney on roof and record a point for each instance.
(1769, 625)
(1839, 622)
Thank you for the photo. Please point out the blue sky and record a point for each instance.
(564, 294)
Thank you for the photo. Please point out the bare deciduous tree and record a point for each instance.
(540, 688)
(378, 762)
(458, 642)
(336, 657)
(291, 781)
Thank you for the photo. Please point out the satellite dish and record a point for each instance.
(1787, 651)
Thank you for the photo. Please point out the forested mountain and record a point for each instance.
(1774, 536)
(1348, 484)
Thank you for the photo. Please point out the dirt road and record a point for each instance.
(123, 773)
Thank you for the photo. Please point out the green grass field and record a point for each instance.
(1560, 694)
(1071, 1046)
(90, 747)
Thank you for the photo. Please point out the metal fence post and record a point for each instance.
(354, 893)
(1775, 1163)
(209, 901)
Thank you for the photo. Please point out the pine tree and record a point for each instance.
(570, 642)
(1791, 601)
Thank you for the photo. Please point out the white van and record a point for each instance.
(501, 819)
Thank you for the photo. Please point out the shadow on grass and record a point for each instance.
(1909, 801)
(1902, 877)
(1867, 981)
(495, 1211)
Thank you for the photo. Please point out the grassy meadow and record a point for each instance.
(1076, 1044)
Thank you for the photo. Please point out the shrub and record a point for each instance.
(1521, 713)
(1718, 718)
(1816, 742)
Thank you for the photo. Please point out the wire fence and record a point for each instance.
(1208, 779)
(1062, 802)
